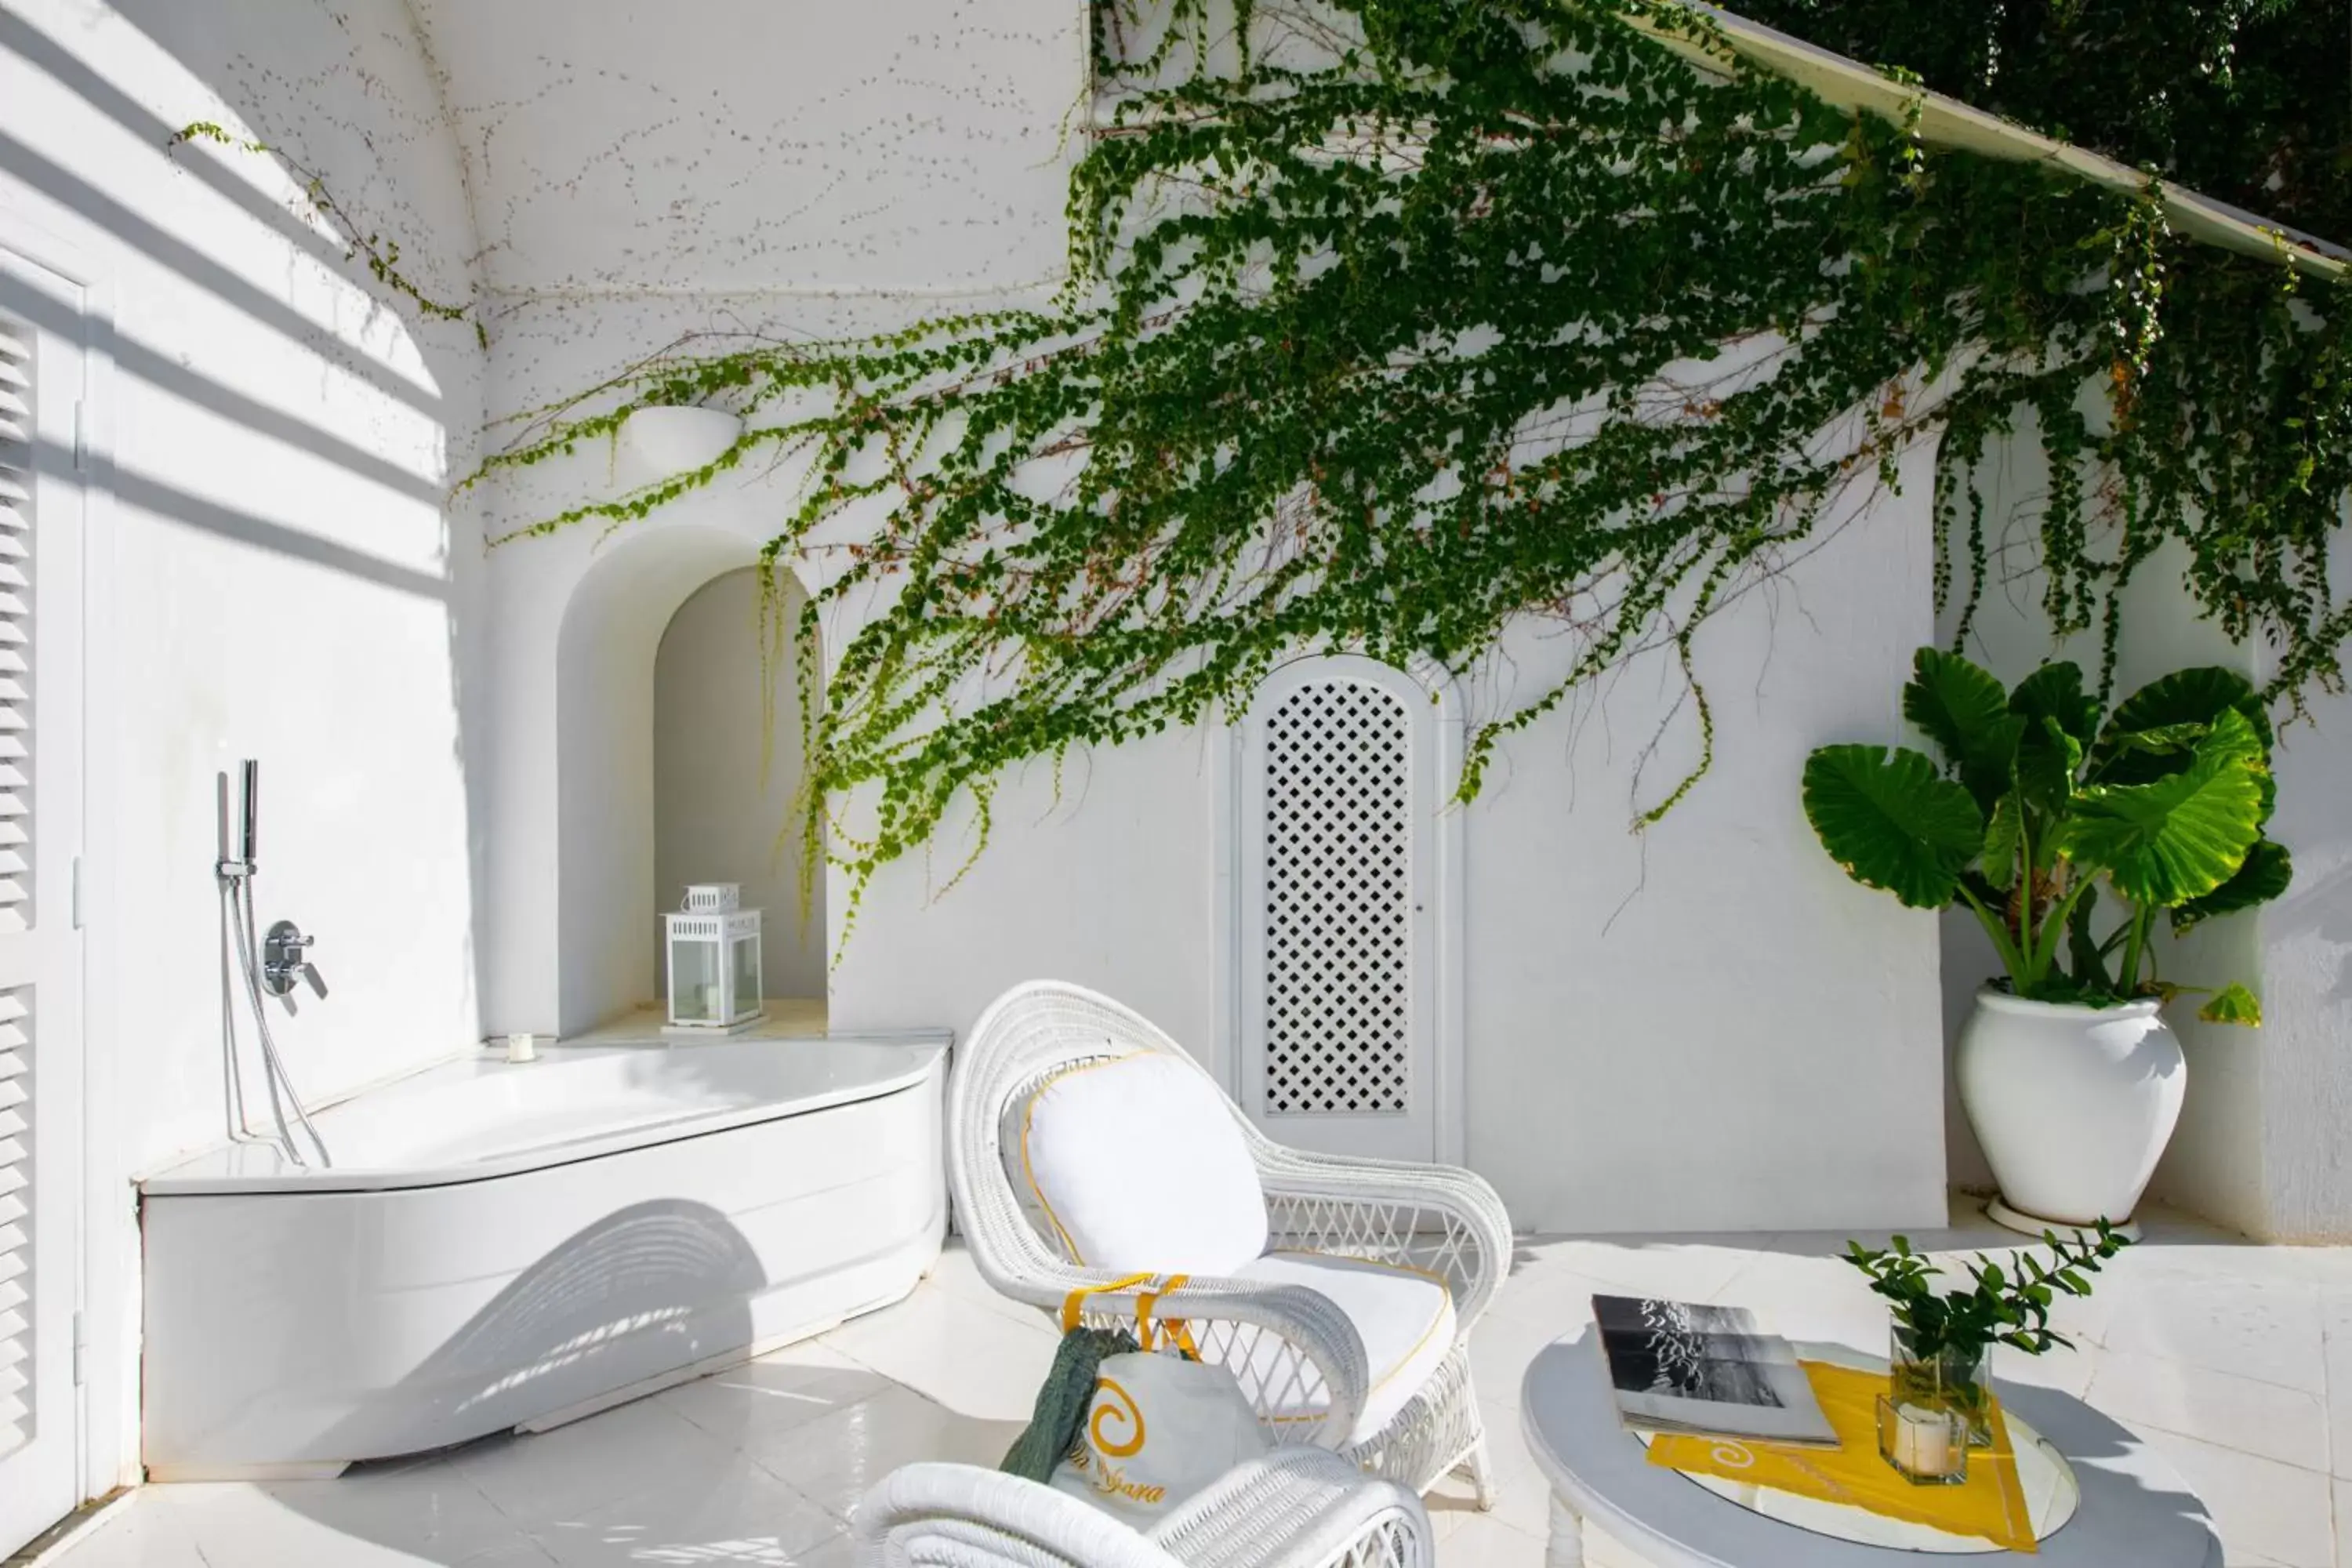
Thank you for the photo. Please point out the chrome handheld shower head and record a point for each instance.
(248, 839)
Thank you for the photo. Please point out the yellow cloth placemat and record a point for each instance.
(1989, 1503)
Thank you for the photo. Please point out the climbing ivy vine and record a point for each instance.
(1412, 319)
(381, 255)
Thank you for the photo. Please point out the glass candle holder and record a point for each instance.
(1950, 1379)
(1926, 1444)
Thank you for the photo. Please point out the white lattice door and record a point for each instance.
(1336, 919)
(41, 395)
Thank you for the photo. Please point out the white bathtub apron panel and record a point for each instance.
(297, 1321)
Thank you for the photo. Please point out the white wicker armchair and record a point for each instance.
(1297, 1508)
(1300, 1357)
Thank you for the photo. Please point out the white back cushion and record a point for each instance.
(1138, 1164)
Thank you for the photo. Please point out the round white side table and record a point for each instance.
(2128, 1507)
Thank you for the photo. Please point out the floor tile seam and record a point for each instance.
(2138, 1424)
(529, 1528)
(677, 1408)
(2317, 1398)
(2206, 1367)
(843, 1522)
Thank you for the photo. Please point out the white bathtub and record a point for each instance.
(518, 1246)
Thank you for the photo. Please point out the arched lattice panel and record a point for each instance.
(1339, 902)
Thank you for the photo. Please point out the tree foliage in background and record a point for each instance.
(1416, 318)
(2246, 100)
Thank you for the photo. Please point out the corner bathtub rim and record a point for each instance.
(925, 1052)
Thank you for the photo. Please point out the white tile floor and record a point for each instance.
(2236, 1361)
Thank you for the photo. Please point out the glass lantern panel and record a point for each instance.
(747, 976)
(694, 983)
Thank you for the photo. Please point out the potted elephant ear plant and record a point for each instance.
(2067, 833)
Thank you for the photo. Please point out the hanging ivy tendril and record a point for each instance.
(1490, 311)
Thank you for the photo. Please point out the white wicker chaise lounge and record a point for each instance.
(1341, 1292)
(1296, 1508)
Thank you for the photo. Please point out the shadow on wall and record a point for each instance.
(183, 358)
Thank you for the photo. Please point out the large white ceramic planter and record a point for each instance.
(2073, 1105)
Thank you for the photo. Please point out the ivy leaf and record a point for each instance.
(2233, 1004)
(1893, 821)
(1964, 710)
(2261, 876)
(2181, 836)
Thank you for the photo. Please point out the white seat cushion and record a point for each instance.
(1138, 1164)
(1405, 1318)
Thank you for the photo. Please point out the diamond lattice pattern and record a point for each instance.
(1338, 902)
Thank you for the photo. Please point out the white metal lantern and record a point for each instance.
(713, 956)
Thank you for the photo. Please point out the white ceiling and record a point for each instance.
(727, 145)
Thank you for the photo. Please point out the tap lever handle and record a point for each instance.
(318, 984)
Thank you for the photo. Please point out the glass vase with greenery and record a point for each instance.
(2040, 800)
(1940, 1350)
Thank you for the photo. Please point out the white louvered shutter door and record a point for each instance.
(1335, 803)
(41, 388)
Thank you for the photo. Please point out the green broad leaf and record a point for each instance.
(2233, 1004)
(1964, 710)
(2199, 695)
(2262, 876)
(2048, 757)
(1893, 821)
(2083, 952)
(2004, 833)
(2164, 740)
(2056, 692)
(2179, 836)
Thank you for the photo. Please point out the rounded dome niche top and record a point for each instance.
(655, 443)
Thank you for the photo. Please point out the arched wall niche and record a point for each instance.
(727, 773)
(606, 649)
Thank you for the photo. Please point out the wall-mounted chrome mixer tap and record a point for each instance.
(285, 960)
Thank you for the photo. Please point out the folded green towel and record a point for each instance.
(1061, 1410)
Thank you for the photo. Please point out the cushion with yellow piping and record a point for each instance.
(1405, 1318)
(1138, 1164)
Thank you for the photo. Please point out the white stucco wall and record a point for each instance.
(1707, 1025)
(2306, 942)
(618, 147)
(276, 575)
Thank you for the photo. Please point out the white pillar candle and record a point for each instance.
(1923, 1440)
(522, 1049)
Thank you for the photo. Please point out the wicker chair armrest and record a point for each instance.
(985, 1516)
(1385, 1209)
(1300, 1507)
(1289, 1346)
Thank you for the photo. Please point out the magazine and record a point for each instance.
(1681, 1367)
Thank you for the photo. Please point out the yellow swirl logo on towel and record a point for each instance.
(1108, 1415)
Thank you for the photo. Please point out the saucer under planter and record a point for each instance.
(2073, 1105)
